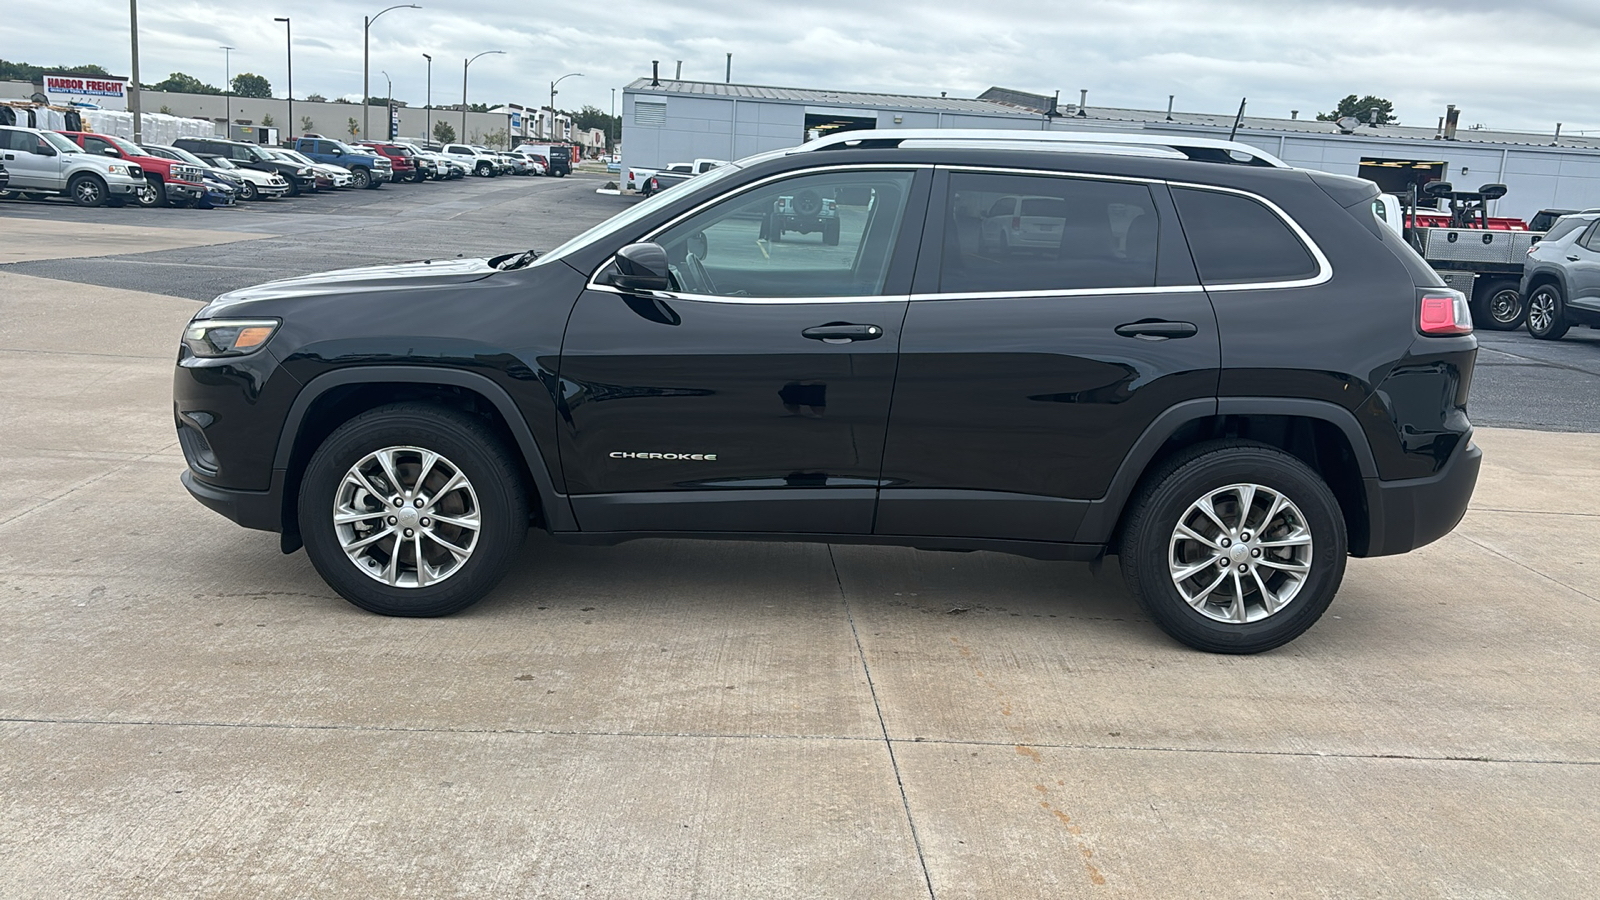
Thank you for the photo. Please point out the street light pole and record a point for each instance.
(388, 104)
(553, 96)
(613, 147)
(465, 64)
(366, 26)
(288, 47)
(427, 130)
(227, 89)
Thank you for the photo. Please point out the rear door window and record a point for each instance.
(1031, 233)
(1591, 241)
(1237, 240)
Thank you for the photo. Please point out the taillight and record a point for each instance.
(1444, 312)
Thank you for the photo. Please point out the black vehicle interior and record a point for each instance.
(726, 250)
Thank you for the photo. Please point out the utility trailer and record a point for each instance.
(1477, 255)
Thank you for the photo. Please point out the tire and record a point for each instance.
(418, 176)
(494, 490)
(483, 170)
(1547, 313)
(775, 228)
(294, 189)
(153, 194)
(87, 190)
(363, 178)
(248, 191)
(830, 233)
(1153, 551)
(1499, 306)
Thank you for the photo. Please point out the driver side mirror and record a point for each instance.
(43, 149)
(109, 151)
(641, 267)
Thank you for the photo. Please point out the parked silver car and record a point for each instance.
(1561, 280)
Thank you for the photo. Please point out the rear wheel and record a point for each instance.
(412, 510)
(1499, 306)
(1234, 547)
(1547, 318)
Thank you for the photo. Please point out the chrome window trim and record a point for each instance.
(1050, 173)
(1064, 292)
(1324, 268)
(592, 285)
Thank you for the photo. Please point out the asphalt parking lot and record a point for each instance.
(184, 711)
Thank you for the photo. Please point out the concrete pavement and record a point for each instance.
(185, 711)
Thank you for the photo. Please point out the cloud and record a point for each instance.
(1282, 54)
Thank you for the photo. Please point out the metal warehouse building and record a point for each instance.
(678, 121)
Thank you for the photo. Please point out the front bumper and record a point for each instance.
(180, 191)
(1406, 514)
(261, 510)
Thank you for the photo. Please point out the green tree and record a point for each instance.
(267, 121)
(593, 117)
(21, 71)
(444, 132)
(305, 124)
(353, 127)
(246, 84)
(316, 98)
(165, 110)
(478, 107)
(180, 83)
(496, 138)
(1361, 108)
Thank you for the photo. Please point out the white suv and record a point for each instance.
(43, 162)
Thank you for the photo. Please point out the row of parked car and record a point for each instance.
(97, 169)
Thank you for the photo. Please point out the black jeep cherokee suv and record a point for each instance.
(1227, 372)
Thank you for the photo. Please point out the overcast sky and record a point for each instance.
(1506, 63)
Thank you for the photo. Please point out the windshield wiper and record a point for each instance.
(520, 260)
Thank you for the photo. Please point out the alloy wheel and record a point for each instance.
(1541, 311)
(1240, 553)
(407, 516)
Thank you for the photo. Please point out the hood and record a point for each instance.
(397, 276)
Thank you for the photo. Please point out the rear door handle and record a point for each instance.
(842, 333)
(1157, 330)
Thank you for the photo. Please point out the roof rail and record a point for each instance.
(1195, 148)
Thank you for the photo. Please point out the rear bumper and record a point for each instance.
(1405, 515)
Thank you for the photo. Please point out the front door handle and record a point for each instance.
(1152, 330)
(842, 333)
(1572, 259)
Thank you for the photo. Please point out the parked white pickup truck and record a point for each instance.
(639, 178)
(43, 162)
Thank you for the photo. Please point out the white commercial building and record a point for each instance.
(677, 121)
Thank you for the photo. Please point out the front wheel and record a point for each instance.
(151, 194)
(362, 177)
(1547, 319)
(1234, 547)
(87, 190)
(248, 191)
(412, 510)
(1500, 306)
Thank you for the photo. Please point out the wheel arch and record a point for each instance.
(334, 397)
(1323, 435)
(1542, 277)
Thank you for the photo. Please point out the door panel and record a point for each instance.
(1583, 274)
(1015, 386)
(29, 169)
(729, 392)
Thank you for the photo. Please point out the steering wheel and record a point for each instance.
(698, 274)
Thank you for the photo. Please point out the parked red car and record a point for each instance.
(169, 181)
(403, 160)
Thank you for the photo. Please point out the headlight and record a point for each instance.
(213, 338)
(116, 169)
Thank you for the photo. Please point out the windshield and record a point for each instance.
(185, 156)
(294, 156)
(705, 183)
(347, 148)
(60, 143)
(257, 152)
(126, 146)
(222, 162)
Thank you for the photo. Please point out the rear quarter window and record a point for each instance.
(1237, 240)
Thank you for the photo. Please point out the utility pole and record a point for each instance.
(288, 47)
(133, 95)
(227, 89)
(613, 144)
(729, 78)
(427, 130)
(366, 26)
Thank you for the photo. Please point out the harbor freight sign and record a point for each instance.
(104, 91)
